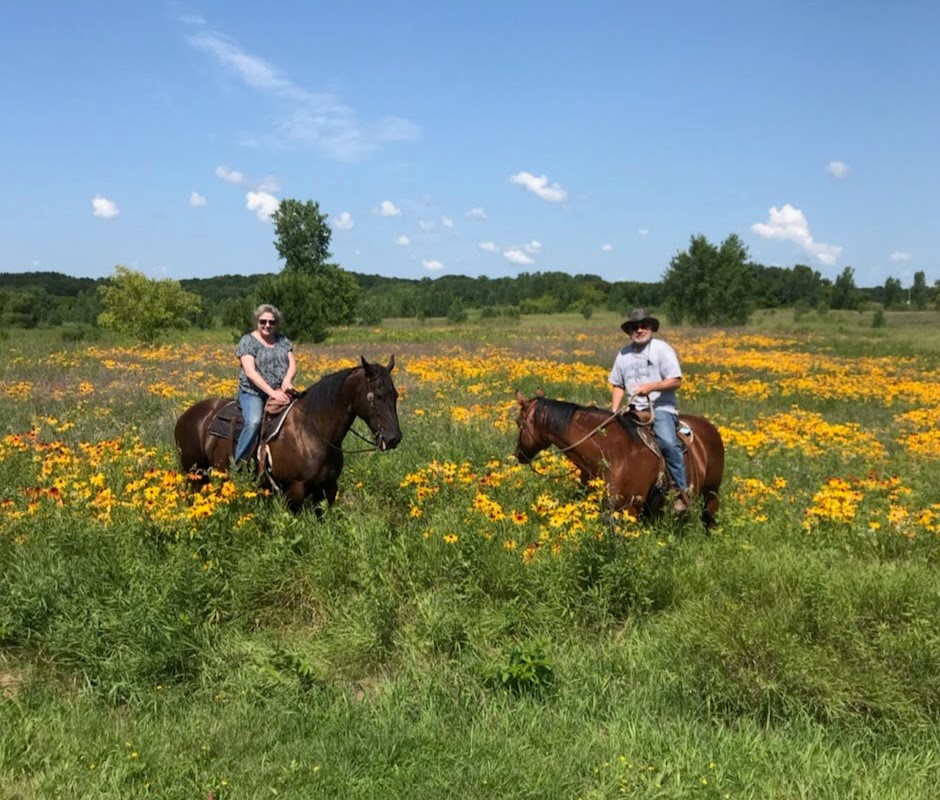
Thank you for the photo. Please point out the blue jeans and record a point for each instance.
(252, 407)
(665, 429)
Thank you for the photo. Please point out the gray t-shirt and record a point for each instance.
(655, 361)
(271, 362)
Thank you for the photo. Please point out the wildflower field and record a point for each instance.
(460, 625)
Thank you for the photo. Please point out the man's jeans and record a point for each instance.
(252, 407)
(665, 429)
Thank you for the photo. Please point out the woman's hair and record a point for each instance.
(267, 307)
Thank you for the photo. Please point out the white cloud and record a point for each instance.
(643, 231)
(425, 226)
(838, 169)
(788, 223)
(901, 255)
(517, 256)
(228, 174)
(532, 247)
(539, 187)
(104, 208)
(196, 199)
(318, 119)
(344, 221)
(403, 241)
(263, 204)
(432, 264)
(490, 247)
(388, 209)
(447, 222)
(269, 185)
(477, 213)
(607, 247)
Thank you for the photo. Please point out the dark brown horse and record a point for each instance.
(306, 455)
(601, 447)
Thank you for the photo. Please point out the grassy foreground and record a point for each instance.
(458, 625)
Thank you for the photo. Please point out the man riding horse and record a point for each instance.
(647, 370)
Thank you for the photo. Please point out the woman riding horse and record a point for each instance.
(306, 456)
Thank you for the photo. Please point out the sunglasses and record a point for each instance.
(271, 322)
(637, 326)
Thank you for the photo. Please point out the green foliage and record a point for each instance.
(845, 295)
(237, 313)
(303, 236)
(144, 308)
(526, 670)
(546, 304)
(878, 319)
(893, 294)
(919, 294)
(457, 312)
(709, 285)
(311, 304)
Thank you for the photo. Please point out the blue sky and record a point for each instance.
(471, 138)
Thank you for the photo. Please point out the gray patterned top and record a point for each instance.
(271, 362)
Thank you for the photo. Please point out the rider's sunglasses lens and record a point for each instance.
(266, 322)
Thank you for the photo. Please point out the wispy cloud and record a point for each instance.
(477, 213)
(196, 199)
(539, 187)
(229, 175)
(606, 248)
(644, 231)
(838, 169)
(901, 255)
(403, 241)
(532, 247)
(318, 119)
(388, 209)
(447, 222)
(517, 256)
(103, 207)
(788, 223)
(344, 221)
(263, 204)
(490, 247)
(432, 264)
(425, 225)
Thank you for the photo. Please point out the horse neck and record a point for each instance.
(574, 438)
(332, 422)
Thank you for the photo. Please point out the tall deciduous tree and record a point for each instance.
(919, 291)
(708, 285)
(312, 293)
(894, 293)
(144, 308)
(303, 236)
(845, 293)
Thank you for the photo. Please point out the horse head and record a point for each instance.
(377, 404)
(530, 442)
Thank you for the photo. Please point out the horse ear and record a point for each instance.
(391, 363)
(365, 364)
(539, 393)
(520, 397)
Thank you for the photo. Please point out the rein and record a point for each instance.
(374, 446)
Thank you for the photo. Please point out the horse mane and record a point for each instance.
(556, 416)
(326, 390)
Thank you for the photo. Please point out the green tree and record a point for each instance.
(708, 285)
(303, 236)
(312, 293)
(144, 308)
(919, 292)
(893, 293)
(845, 294)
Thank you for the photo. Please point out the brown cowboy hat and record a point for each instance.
(640, 315)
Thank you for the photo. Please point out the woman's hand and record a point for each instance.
(279, 396)
(286, 385)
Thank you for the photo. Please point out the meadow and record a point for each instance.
(460, 625)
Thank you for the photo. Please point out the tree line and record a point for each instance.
(704, 284)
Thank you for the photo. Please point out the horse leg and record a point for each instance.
(296, 493)
(710, 511)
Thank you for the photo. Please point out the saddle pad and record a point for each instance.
(227, 422)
